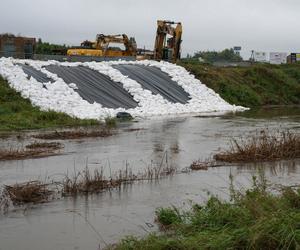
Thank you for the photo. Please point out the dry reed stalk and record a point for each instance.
(28, 192)
(263, 147)
(86, 182)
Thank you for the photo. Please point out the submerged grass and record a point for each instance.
(45, 145)
(265, 146)
(255, 219)
(17, 113)
(81, 183)
(75, 134)
(204, 164)
(33, 150)
(21, 154)
(85, 182)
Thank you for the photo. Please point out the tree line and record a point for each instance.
(46, 48)
(226, 55)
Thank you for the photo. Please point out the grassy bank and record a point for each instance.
(256, 219)
(256, 85)
(17, 113)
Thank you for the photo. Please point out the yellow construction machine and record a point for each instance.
(101, 47)
(167, 41)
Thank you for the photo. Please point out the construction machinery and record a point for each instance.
(101, 47)
(167, 41)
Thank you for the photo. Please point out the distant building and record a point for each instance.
(278, 57)
(16, 46)
(259, 56)
(293, 58)
(237, 50)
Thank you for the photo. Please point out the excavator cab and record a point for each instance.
(87, 45)
(168, 41)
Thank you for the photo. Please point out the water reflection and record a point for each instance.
(86, 222)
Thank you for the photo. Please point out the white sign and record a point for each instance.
(260, 56)
(278, 57)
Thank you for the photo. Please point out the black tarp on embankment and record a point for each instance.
(36, 74)
(155, 80)
(94, 86)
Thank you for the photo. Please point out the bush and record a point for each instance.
(168, 216)
(255, 219)
(263, 147)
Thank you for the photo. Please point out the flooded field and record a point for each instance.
(93, 221)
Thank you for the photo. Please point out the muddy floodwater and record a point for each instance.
(92, 222)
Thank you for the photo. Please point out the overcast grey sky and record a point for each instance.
(262, 25)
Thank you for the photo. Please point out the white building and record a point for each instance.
(278, 57)
(260, 56)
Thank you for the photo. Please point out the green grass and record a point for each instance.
(256, 219)
(111, 122)
(257, 85)
(17, 113)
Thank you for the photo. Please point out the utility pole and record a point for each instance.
(252, 57)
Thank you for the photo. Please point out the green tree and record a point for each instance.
(45, 48)
(227, 55)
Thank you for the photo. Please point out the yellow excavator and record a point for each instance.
(101, 47)
(168, 48)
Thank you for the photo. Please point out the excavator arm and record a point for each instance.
(101, 47)
(165, 28)
(103, 41)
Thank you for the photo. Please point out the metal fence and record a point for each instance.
(14, 54)
(63, 58)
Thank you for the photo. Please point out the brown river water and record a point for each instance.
(91, 222)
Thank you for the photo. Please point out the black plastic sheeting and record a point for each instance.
(155, 80)
(94, 86)
(36, 74)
